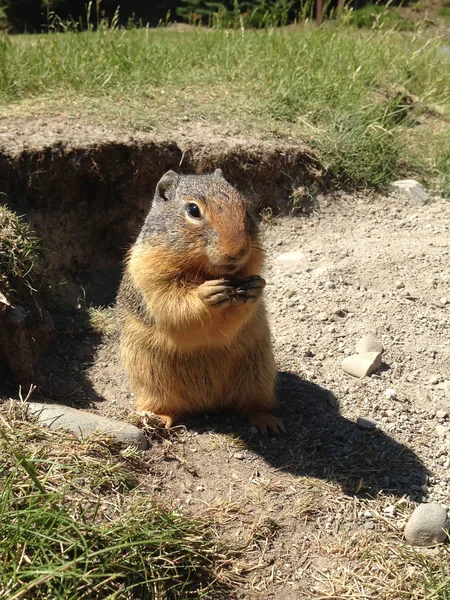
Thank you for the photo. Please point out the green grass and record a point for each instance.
(18, 250)
(74, 523)
(335, 87)
(375, 16)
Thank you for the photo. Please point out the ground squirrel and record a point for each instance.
(194, 332)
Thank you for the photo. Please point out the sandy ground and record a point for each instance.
(298, 503)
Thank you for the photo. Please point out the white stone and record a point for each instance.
(441, 430)
(366, 423)
(390, 394)
(83, 423)
(363, 364)
(368, 344)
(390, 511)
(427, 526)
(413, 190)
(292, 258)
(441, 414)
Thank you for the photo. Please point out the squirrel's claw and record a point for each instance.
(249, 289)
(266, 422)
(216, 292)
(149, 418)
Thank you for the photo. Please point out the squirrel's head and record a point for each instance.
(208, 224)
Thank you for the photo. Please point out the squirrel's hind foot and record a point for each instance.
(266, 422)
(157, 420)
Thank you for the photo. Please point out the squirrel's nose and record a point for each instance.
(236, 255)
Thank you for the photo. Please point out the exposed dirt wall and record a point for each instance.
(86, 202)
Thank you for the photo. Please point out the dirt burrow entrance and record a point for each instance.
(87, 200)
(304, 508)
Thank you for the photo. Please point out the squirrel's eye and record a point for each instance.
(194, 210)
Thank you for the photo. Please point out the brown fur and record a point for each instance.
(184, 352)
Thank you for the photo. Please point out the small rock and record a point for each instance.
(239, 456)
(390, 511)
(413, 190)
(433, 380)
(83, 423)
(369, 525)
(366, 423)
(390, 394)
(291, 258)
(368, 344)
(360, 365)
(367, 514)
(330, 285)
(444, 301)
(399, 285)
(441, 430)
(427, 525)
(441, 414)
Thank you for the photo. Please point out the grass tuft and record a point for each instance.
(324, 86)
(75, 524)
(18, 249)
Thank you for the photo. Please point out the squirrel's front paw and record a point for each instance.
(217, 292)
(249, 289)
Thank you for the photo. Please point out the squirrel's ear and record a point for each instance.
(219, 173)
(165, 185)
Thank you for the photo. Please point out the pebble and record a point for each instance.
(441, 430)
(444, 301)
(366, 423)
(239, 456)
(441, 414)
(292, 258)
(390, 394)
(433, 380)
(399, 285)
(369, 525)
(412, 189)
(368, 344)
(427, 525)
(363, 364)
(390, 511)
(83, 423)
